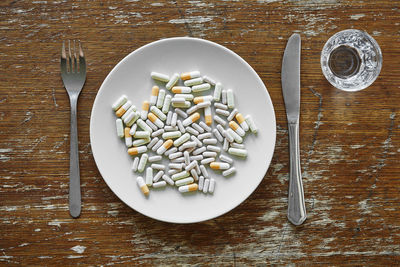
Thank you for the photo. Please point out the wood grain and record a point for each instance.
(350, 142)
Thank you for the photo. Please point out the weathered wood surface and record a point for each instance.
(350, 142)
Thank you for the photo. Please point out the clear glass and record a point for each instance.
(351, 60)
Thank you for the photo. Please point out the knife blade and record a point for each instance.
(290, 78)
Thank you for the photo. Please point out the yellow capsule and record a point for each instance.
(121, 111)
(233, 125)
(200, 99)
(194, 117)
(239, 118)
(190, 75)
(219, 165)
(154, 95)
(142, 185)
(188, 188)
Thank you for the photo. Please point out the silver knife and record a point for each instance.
(291, 95)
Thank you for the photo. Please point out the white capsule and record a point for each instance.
(222, 112)
(160, 98)
(175, 155)
(234, 126)
(211, 186)
(209, 154)
(226, 159)
(159, 76)
(140, 142)
(152, 126)
(230, 98)
(142, 162)
(176, 166)
(157, 133)
(178, 160)
(206, 185)
(204, 171)
(204, 136)
(154, 158)
(207, 161)
(169, 118)
(135, 164)
(185, 137)
(221, 129)
(194, 174)
(117, 104)
(210, 141)
(120, 128)
(158, 176)
(192, 110)
(170, 151)
(209, 80)
(174, 79)
(214, 148)
(191, 165)
(133, 129)
(154, 95)
(180, 175)
(199, 150)
(218, 136)
(181, 90)
(237, 152)
(197, 128)
(177, 100)
(181, 113)
(229, 171)
(187, 97)
(171, 128)
(145, 110)
(152, 142)
(168, 179)
(229, 135)
(198, 158)
(219, 120)
(159, 167)
(252, 125)
(154, 119)
(191, 130)
(171, 135)
(142, 134)
(198, 142)
(237, 137)
(167, 104)
(205, 126)
(187, 145)
(142, 185)
(201, 87)
(131, 118)
(128, 112)
(188, 188)
(149, 176)
(223, 95)
(201, 183)
(220, 106)
(160, 184)
(173, 171)
(232, 114)
(157, 145)
(186, 157)
(186, 104)
(128, 137)
(180, 126)
(184, 181)
(194, 81)
(144, 126)
(190, 75)
(236, 145)
(225, 146)
(174, 119)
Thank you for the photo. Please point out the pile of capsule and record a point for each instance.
(189, 143)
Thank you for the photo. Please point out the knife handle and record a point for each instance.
(296, 206)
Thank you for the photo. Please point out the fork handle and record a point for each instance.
(74, 176)
(296, 205)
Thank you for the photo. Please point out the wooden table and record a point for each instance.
(350, 142)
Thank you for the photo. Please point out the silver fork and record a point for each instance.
(73, 76)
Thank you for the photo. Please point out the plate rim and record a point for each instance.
(265, 92)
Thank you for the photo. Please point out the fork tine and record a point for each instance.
(75, 63)
(82, 61)
(63, 59)
(80, 49)
(70, 56)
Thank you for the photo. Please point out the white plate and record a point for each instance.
(131, 77)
